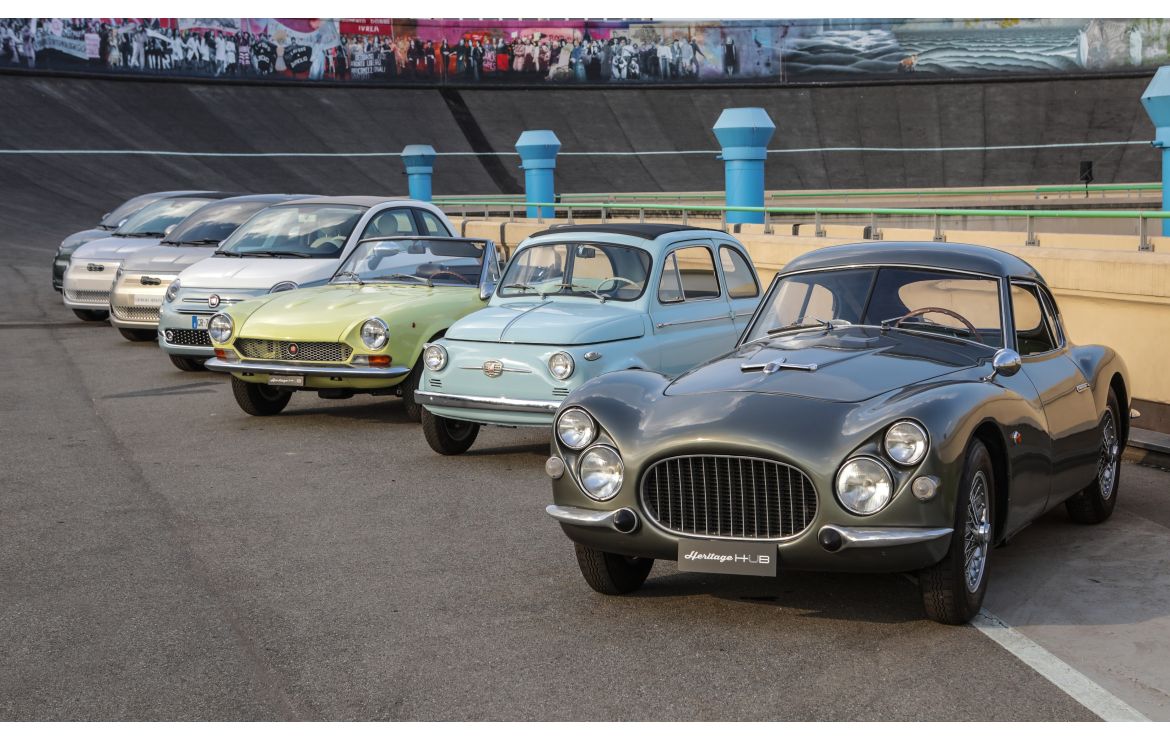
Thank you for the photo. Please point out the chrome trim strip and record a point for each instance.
(1082, 387)
(582, 517)
(334, 371)
(486, 403)
(663, 325)
(862, 537)
(504, 369)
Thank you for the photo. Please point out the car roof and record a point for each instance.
(266, 198)
(965, 257)
(640, 230)
(365, 201)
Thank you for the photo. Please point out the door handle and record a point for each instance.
(1082, 387)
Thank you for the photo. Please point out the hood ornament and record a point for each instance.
(776, 366)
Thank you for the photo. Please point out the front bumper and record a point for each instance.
(85, 286)
(511, 411)
(135, 305)
(248, 367)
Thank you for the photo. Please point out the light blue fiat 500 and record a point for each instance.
(576, 302)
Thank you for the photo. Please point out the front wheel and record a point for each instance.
(611, 574)
(138, 335)
(1095, 503)
(953, 589)
(259, 400)
(187, 364)
(89, 314)
(448, 436)
(407, 388)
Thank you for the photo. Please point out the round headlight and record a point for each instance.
(601, 472)
(172, 292)
(435, 357)
(219, 328)
(375, 333)
(864, 486)
(906, 443)
(575, 429)
(281, 287)
(561, 365)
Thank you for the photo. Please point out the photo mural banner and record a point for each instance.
(577, 51)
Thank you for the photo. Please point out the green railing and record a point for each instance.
(606, 209)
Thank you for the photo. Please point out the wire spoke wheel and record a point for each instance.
(1108, 460)
(976, 532)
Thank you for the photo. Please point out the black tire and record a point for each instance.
(187, 364)
(90, 314)
(951, 592)
(448, 436)
(408, 386)
(259, 400)
(138, 335)
(1095, 503)
(611, 574)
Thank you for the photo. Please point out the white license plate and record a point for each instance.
(148, 300)
(297, 380)
(199, 322)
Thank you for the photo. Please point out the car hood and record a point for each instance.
(330, 311)
(550, 322)
(113, 247)
(255, 272)
(70, 243)
(850, 365)
(166, 259)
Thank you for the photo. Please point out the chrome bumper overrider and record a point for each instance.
(884, 536)
(582, 517)
(487, 403)
(329, 371)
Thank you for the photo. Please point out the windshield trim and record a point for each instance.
(1006, 338)
(556, 242)
(485, 265)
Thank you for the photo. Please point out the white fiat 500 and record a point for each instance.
(292, 245)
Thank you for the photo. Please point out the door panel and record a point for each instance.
(743, 288)
(691, 315)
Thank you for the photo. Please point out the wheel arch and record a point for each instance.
(992, 438)
(1117, 385)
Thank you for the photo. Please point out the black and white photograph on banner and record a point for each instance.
(624, 368)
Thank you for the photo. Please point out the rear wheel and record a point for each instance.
(259, 400)
(89, 314)
(611, 574)
(138, 335)
(953, 588)
(187, 364)
(1095, 503)
(448, 436)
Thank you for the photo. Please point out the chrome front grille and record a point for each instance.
(266, 349)
(725, 496)
(136, 313)
(88, 296)
(188, 337)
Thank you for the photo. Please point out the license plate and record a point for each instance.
(297, 380)
(148, 300)
(199, 322)
(726, 556)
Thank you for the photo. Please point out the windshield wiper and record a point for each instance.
(197, 242)
(802, 323)
(356, 278)
(144, 234)
(413, 277)
(274, 253)
(223, 253)
(575, 286)
(521, 286)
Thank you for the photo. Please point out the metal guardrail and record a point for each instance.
(606, 210)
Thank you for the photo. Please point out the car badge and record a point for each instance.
(213, 301)
(293, 348)
(774, 366)
(493, 368)
(94, 267)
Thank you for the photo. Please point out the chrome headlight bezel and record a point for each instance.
(172, 292)
(283, 286)
(215, 328)
(574, 414)
(906, 442)
(374, 333)
(862, 502)
(561, 360)
(435, 357)
(605, 461)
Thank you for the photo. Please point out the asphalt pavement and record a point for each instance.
(165, 556)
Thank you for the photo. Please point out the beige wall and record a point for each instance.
(1109, 293)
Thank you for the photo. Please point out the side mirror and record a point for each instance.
(1006, 362)
(169, 229)
(103, 218)
(486, 291)
(123, 222)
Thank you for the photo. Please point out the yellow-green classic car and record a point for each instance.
(364, 332)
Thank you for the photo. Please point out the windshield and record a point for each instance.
(129, 208)
(415, 262)
(604, 271)
(214, 222)
(318, 231)
(154, 219)
(882, 295)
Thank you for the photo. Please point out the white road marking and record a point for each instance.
(1066, 678)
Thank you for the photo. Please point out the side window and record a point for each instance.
(391, 223)
(1034, 332)
(431, 225)
(741, 282)
(689, 274)
(1053, 315)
